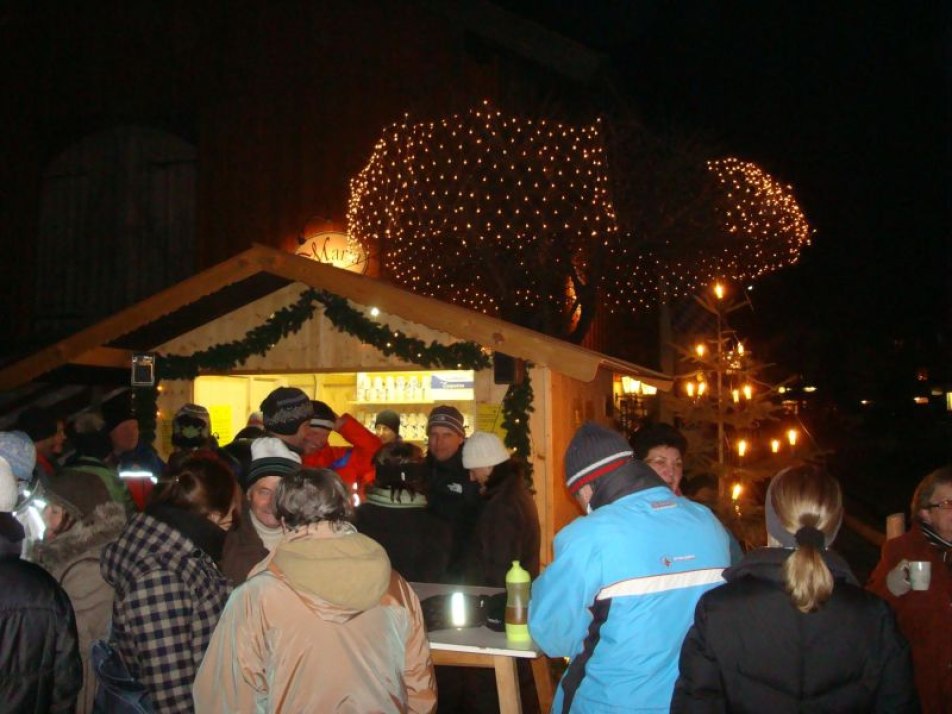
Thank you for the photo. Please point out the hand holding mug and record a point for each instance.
(918, 574)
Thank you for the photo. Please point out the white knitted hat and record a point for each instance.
(8, 487)
(483, 449)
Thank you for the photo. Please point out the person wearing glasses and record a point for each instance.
(925, 616)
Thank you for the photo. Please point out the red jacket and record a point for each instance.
(925, 617)
(354, 464)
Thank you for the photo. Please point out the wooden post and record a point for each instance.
(895, 525)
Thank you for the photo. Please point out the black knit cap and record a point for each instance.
(38, 423)
(389, 419)
(324, 417)
(285, 409)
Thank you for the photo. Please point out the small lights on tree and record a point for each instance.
(515, 217)
(502, 214)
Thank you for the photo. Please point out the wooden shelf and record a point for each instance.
(409, 404)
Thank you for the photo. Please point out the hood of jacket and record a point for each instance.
(339, 574)
(103, 525)
(767, 564)
(146, 544)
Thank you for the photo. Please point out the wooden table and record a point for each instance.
(482, 647)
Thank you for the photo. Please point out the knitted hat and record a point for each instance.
(285, 409)
(19, 452)
(117, 410)
(270, 457)
(447, 416)
(191, 427)
(8, 487)
(88, 434)
(483, 449)
(324, 417)
(594, 452)
(38, 423)
(389, 419)
(77, 492)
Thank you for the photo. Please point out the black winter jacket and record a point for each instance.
(455, 499)
(507, 530)
(751, 650)
(40, 669)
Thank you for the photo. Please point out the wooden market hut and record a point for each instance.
(219, 305)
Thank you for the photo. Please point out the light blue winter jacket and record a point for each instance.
(641, 563)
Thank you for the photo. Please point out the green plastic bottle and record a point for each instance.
(517, 603)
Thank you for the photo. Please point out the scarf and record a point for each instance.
(270, 537)
(198, 529)
(628, 478)
(938, 542)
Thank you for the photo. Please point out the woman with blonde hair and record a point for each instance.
(792, 629)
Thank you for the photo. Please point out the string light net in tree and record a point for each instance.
(506, 215)
(754, 226)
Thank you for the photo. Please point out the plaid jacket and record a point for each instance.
(169, 595)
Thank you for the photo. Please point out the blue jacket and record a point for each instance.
(620, 596)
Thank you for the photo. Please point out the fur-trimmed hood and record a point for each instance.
(104, 524)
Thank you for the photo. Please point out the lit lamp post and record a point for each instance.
(630, 401)
(792, 436)
(719, 293)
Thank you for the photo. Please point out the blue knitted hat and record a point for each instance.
(18, 450)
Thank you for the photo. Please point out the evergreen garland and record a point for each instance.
(288, 320)
(516, 407)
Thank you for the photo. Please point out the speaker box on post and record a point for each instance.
(508, 369)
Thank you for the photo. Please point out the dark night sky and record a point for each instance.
(850, 103)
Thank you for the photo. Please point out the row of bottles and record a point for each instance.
(390, 388)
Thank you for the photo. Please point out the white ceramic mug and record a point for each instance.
(919, 574)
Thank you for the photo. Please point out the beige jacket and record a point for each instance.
(321, 625)
(73, 559)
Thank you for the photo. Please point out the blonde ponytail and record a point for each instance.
(808, 579)
(809, 507)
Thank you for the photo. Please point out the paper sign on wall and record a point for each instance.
(489, 418)
(221, 415)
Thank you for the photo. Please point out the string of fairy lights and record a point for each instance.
(484, 208)
(496, 212)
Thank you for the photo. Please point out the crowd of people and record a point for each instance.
(247, 573)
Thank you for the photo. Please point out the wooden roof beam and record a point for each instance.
(242, 266)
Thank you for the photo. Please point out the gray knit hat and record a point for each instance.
(594, 452)
(447, 416)
(285, 409)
